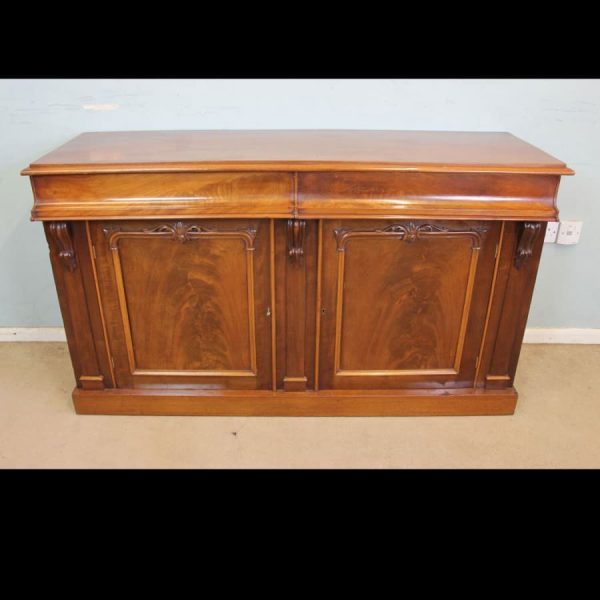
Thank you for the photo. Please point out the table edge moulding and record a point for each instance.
(296, 272)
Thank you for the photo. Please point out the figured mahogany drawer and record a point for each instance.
(173, 195)
(392, 195)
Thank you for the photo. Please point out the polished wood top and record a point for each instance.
(297, 150)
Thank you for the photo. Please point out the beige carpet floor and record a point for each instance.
(556, 424)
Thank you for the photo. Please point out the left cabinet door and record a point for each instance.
(187, 303)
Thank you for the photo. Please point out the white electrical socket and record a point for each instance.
(551, 232)
(569, 232)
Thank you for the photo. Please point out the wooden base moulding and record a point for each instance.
(301, 404)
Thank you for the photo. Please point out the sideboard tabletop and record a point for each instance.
(297, 150)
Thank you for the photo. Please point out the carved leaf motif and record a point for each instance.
(179, 231)
(411, 232)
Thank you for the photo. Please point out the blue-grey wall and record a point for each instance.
(560, 116)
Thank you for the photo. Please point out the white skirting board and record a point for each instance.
(32, 334)
(561, 336)
(532, 335)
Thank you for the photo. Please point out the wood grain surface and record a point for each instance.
(302, 404)
(403, 303)
(435, 151)
(187, 303)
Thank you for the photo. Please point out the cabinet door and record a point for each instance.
(186, 303)
(403, 302)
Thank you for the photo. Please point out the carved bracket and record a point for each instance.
(295, 238)
(60, 233)
(529, 233)
(410, 232)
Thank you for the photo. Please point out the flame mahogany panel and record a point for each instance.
(186, 303)
(403, 303)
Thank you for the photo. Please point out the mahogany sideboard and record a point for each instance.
(295, 272)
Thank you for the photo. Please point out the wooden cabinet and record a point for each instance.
(295, 273)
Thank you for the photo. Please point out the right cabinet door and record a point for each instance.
(403, 303)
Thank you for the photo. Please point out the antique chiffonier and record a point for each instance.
(295, 272)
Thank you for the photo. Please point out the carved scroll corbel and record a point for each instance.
(60, 233)
(295, 238)
(529, 233)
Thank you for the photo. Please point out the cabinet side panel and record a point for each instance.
(520, 266)
(67, 259)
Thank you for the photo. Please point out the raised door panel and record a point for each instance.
(403, 303)
(187, 303)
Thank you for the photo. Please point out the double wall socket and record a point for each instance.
(551, 232)
(563, 232)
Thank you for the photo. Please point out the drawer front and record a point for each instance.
(166, 195)
(404, 302)
(186, 303)
(389, 195)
